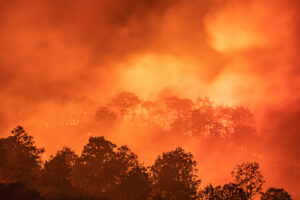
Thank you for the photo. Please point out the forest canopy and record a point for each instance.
(106, 171)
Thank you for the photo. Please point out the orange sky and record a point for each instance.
(61, 60)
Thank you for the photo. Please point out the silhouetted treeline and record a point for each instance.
(200, 117)
(105, 171)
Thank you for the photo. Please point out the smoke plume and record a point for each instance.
(62, 60)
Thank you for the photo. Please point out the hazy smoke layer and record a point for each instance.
(61, 60)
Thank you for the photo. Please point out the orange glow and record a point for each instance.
(60, 61)
(149, 74)
(232, 30)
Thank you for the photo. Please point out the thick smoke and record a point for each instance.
(61, 60)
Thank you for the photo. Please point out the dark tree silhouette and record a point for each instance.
(20, 158)
(180, 109)
(178, 105)
(248, 177)
(200, 122)
(211, 193)
(57, 174)
(123, 102)
(174, 175)
(107, 172)
(229, 191)
(93, 171)
(103, 168)
(242, 124)
(136, 185)
(181, 116)
(232, 191)
(275, 194)
(18, 191)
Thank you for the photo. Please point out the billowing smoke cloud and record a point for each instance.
(61, 60)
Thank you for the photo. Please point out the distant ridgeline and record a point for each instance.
(106, 171)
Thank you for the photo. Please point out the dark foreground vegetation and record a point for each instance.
(106, 171)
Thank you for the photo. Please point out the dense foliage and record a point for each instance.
(106, 171)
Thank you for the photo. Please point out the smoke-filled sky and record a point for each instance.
(62, 59)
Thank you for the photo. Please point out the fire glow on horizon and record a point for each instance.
(61, 60)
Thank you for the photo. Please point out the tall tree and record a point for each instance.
(93, 173)
(242, 125)
(248, 177)
(103, 168)
(131, 178)
(275, 194)
(123, 102)
(180, 113)
(57, 174)
(20, 159)
(174, 175)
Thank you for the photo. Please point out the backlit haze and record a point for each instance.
(61, 60)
